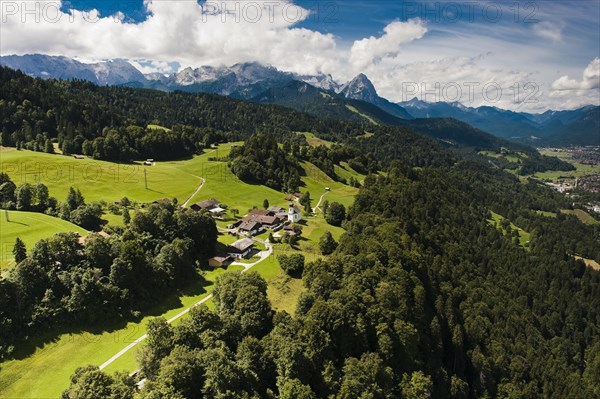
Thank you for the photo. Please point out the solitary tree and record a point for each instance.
(43, 196)
(126, 216)
(74, 199)
(325, 207)
(327, 244)
(19, 250)
(266, 203)
(24, 196)
(48, 147)
(336, 213)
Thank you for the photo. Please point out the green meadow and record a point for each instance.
(45, 372)
(43, 369)
(524, 236)
(29, 227)
(98, 180)
(581, 169)
(581, 215)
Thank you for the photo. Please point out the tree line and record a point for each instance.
(66, 282)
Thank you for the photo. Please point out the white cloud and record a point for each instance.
(590, 79)
(371, 50)
(175, 31)
(572, 93)
(549, 30)
(185, 33)
(464, 79)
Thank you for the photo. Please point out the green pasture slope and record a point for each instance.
(44, 369)
(29, 227)
(98, 180)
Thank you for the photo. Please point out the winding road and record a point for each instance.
(263, 255)
(247, 266)
(185, 204)
(317, 207)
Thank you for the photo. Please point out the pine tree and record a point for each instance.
(19, 250)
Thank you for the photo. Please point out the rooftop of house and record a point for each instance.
(221, 257)
(262, 219)
(249, 226)
(295, 208)
(260, 212)
(242, 245)
(207, 204)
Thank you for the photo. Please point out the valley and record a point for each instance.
(214, 247)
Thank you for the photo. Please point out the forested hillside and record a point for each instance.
(111, 123)
(422, 298)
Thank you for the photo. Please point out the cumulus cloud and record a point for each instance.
(212, 33)
(373, 49)
(178, 34)
(573, 93)
(590, 79)
(467, 80)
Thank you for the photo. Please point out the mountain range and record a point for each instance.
(580, 126)
(322, 95)
(102, 73)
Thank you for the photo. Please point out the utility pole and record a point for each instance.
(145, 179)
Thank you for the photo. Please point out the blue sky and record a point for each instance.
(554, 45)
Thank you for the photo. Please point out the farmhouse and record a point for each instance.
(274, 210)
(250, 228)
(220, 260)
(290, 230)
(206, 205)
(259, 212)
(265, 218)
(241, 248)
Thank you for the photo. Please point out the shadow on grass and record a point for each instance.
(13, 222)
(24, 349)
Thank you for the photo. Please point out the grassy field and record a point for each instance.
(547, 214)
(44, 371)
(314, 141)
(158, 127)
(524, 236)
(283, 291)
(582, 170)
(29, 227)
(367, 117)
(581, 214)
(98, 180)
